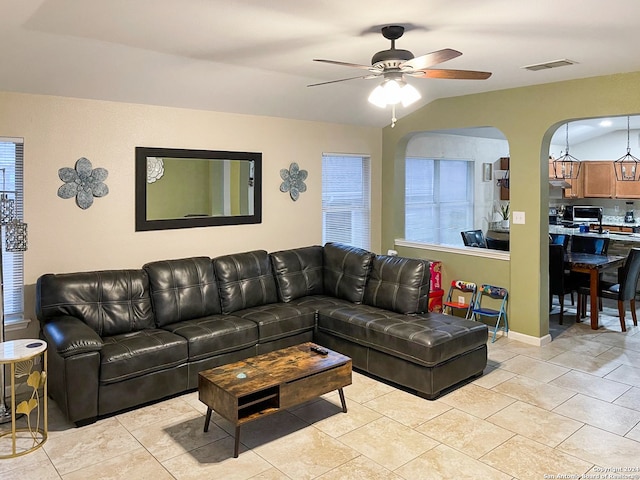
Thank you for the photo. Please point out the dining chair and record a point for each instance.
(560, 239)
(587, 244)
(594, 245)
(560, 281)
(624, 290)
(497, 244)
(467, 289)
(473, 238)
(485, 293)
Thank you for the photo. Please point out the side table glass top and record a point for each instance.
(15, 350)
(29, 423)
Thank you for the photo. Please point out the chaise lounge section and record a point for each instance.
(122, 338)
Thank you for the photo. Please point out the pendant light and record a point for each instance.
(627, 167)
(566, 166)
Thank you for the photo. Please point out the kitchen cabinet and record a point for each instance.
(504, 191)
(626, 189)
(599, 179)
(575, 188)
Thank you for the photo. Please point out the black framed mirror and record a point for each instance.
(179, 188)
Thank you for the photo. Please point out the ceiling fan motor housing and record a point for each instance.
(391, 58)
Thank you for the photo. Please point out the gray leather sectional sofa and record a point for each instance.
(122, 338)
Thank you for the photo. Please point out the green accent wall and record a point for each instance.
(527, 116)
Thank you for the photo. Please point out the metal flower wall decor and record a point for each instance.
(83, 182)
(293, 181)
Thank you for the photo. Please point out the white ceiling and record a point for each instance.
(255, 56)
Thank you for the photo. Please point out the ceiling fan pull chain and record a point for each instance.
(393, 116)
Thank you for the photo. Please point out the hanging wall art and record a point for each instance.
(83, 182)
(293, 181)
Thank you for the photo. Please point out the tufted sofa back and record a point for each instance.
(346, 270)
(298, 272)
(398, 284)
(111, 302)
(245, 280)
(183, 289)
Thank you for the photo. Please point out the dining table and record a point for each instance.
(593, 265)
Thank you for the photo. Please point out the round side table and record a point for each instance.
(21, 356)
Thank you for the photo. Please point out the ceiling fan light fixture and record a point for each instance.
(392, 92)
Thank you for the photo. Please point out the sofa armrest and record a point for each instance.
(69, 336)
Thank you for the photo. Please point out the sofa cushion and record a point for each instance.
(138, 353)
(398, 284)
(298, 272)
(279, 320)
(111, 302)
(183, 289)
(215, 335)
(345, 271)
(428, 339)
(245, 280)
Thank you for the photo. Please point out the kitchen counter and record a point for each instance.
(617, 236)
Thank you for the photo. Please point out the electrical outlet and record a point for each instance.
(461, 299)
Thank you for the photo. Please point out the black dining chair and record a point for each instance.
(473, 238)
(560, 282)
(497, 244)
(624, 290)
(593, 245)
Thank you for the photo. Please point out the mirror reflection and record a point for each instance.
(178, 188)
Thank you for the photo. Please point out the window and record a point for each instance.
(346, 200)
(11, 175)
(438, 200)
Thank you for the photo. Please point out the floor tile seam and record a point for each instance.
(595, 377)
(600, 427)
(484, 462)
(587, 371)
(513, 434)
(559, 447)
(545, 446)
(534, 406)
(102, 460)
(162, 421)
(542, 384)
(598, 398)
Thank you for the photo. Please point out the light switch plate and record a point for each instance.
(518, 217)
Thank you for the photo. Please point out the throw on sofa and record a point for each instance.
(122, 338)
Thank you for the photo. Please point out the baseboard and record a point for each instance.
(528, 339)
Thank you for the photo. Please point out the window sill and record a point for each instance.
(470, 251)
(14, 325)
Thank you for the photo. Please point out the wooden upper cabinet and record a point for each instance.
(627, 189)
(599, 179)
(504, 165)
(576, 190)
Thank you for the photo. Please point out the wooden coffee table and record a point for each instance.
(258, 386)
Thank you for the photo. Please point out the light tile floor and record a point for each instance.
(569, 408)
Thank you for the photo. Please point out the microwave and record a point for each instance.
(587, 214)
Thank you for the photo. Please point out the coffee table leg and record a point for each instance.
(237, 444)
(207, 420)
(342, 400)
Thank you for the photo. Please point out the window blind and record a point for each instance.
(346, 200)
(11, 180)
(438, 200)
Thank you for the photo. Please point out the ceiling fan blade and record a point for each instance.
(431, 59)
(451, 74)
(345, 64)
(366, 77)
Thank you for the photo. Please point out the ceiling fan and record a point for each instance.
(393, 64)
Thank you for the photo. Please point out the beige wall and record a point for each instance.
(527, 117)
(63, 238)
